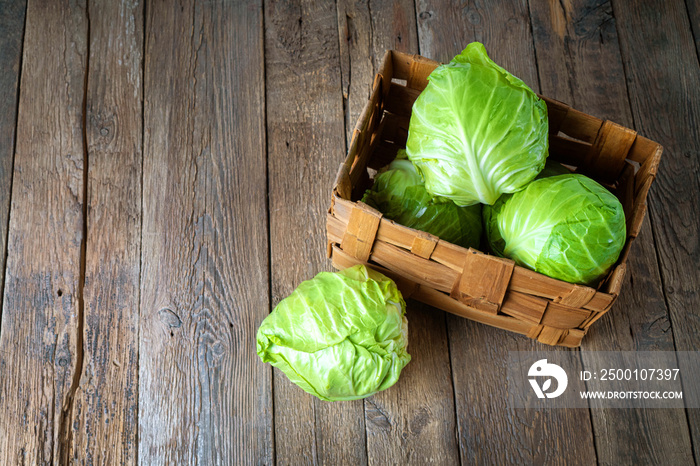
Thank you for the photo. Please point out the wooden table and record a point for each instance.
(166, 170)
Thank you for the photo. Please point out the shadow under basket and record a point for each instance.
(467, 282)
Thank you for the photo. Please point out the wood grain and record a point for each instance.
(580, 64)
(104, 417)
(11, 35)
(488, 431)
(357, 60)
(445, 29)
(305, 146)
(366, 30)
(414, 421)
(579, 57)
(40, 350)
(667, 88)
(694, 16)
(204, 396)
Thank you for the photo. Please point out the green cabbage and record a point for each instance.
(567, 227)
(339, 336)
(400, 195)
(477, 131)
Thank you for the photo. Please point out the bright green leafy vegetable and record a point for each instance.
(400, 195)
(477, 131)
(339, 336)
(567, 227)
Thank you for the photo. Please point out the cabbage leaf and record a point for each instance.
(399, 193)
(477, 131)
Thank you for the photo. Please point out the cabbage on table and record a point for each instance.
(339, 336)
(477, 131)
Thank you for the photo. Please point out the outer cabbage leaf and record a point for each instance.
(339, 336)
(400, 195)
(567, 227)
(477, 131)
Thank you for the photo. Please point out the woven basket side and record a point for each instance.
(363, 142)
(450, 261)
(485, 283)
(569, 337)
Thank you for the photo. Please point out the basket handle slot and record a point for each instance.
(483, 282)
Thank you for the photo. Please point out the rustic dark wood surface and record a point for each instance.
(166, 169)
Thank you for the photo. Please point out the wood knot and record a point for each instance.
(169, 318)
(103, 126)
(474, 17)
(421, 419)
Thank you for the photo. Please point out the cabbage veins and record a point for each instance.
(477, 131)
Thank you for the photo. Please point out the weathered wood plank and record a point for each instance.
(414, 421)
(579, 57)
(694, 15)
(40, 346)
(365, 32)
(488, 432)
(663, 79)
(204, 396)
(445, 29)
(492, 432)
(11, 35)
(357, 60)
(305, 146)
(580, 63)
(104, 417)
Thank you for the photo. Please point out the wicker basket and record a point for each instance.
(467, 282)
